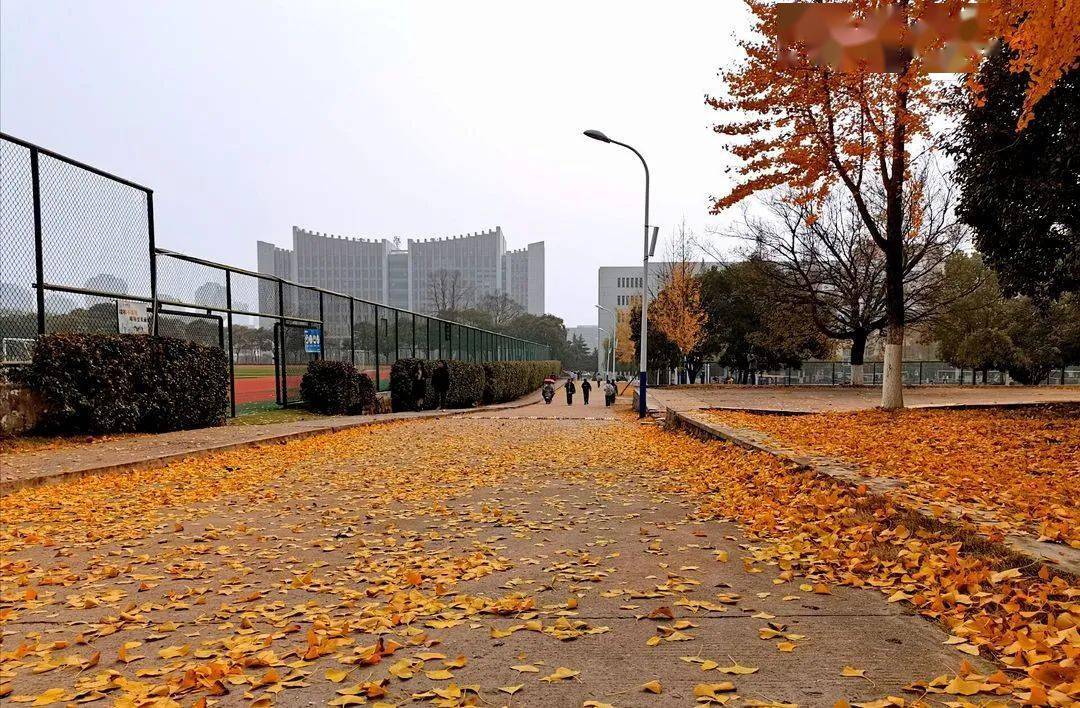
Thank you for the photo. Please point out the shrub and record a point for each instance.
(498, 382)
(336, 388)
(466, 384)
(109, 383)
(508, 380)
(403, 389)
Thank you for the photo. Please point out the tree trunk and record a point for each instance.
(892, 377)
(858, 351)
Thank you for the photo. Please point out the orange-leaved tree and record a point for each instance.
(810, 127)
(806, 126)
(677, 312)
(624, 345)
(1045, 36)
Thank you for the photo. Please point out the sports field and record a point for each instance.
(255, 382)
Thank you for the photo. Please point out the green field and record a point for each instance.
(268, 412)
(253, 371)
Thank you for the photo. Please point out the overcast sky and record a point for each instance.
(408, 118)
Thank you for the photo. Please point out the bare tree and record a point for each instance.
(823, 257)
(501, 307)
(450, 291)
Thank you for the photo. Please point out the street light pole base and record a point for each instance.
(642, 407)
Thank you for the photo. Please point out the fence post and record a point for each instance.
(352, 332)
(397, 342)
(232, 364)
(153, 263)
(834, 373)
(920, 372)
(280, 346)
(413, 320)
(322, 328)
(378, 380)
(39, 251)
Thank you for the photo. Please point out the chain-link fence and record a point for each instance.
(77, 254)
(832, 373)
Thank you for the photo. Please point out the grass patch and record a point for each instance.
(269, 412)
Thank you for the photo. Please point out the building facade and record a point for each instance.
(430, 274)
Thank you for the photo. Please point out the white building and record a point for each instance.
(374, 270)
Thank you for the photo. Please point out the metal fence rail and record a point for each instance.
(77, 254)
(831, 373)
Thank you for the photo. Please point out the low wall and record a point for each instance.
(20, 409)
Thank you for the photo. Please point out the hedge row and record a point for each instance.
(111, 383)
(337, 388)
(470, 383)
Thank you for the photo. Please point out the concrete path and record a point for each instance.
(811, 399)
(142, 450)
(510, 543)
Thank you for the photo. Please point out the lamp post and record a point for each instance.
(614, 334)
(642, 365)
(611, 343)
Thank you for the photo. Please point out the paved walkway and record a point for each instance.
(139, 451)
(809, 399)
(512, 553)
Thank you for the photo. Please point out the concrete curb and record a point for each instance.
(12, 485)
(1060, 557)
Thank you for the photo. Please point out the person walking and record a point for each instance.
(609, 393)
(585, 388)
(548, 390)
(440, 382)
(419, 386)
(571, 389)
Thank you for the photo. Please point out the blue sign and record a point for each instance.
(312, 343)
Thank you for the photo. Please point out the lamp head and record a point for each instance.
(597, 135)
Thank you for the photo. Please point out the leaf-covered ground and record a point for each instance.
(508, 561)
(1020, 468)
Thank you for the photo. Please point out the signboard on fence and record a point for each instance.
(132, 317)
(312, 343)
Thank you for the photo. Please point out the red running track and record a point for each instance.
(258, 389)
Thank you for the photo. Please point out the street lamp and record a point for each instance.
(614, 334)
(642, 365)
(610, 344)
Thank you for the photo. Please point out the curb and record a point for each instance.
(13, 485)
(1060, 557)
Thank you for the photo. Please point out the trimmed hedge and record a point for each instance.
(336, 388)
(470, 383)
(111, 383)
(466, 384)
(509, 380)
(406, 392)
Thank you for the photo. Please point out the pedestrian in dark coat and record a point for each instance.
(570, 391)
(440, 382)
(609, 393)
(585, 388)
(419, 387)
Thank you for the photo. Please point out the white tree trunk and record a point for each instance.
(892, 381)
(856, 374)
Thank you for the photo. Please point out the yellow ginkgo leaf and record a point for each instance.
(560, 674)
(336, 675)
(439, 675)
(511, 689)
(651, 687)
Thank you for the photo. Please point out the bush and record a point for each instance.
(491, 382)
(403, 389)
(337, 388)
(509, 380)
(466, 384)
(110, 383)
